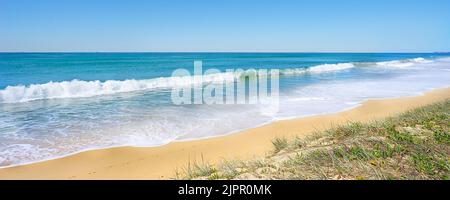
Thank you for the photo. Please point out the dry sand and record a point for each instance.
(162, 162)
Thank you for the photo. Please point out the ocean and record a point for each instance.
(57, 104)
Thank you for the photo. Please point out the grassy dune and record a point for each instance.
(414, 145)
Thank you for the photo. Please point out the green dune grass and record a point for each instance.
(413, 145)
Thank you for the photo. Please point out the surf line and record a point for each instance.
(231, 87)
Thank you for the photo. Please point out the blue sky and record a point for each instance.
(231, 25)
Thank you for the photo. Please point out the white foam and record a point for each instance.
(318, 69)
(404, 63)
(80, 88)
(330, 67)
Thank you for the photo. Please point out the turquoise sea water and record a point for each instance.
(55, 104)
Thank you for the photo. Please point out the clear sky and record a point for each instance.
(225, 25)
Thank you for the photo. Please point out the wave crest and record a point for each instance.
(317, 69)
(403, 63)
(80, 88)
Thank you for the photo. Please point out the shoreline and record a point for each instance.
(161, 162)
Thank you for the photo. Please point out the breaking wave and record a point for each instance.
(317, 69)
(403, 63)
(80, 88)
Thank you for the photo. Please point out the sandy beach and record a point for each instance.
(162, 162)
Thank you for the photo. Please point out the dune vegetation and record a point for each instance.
(413, 145)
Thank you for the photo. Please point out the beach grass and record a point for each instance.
(280, 144)
(413, 145)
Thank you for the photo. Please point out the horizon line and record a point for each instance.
(223, 52)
